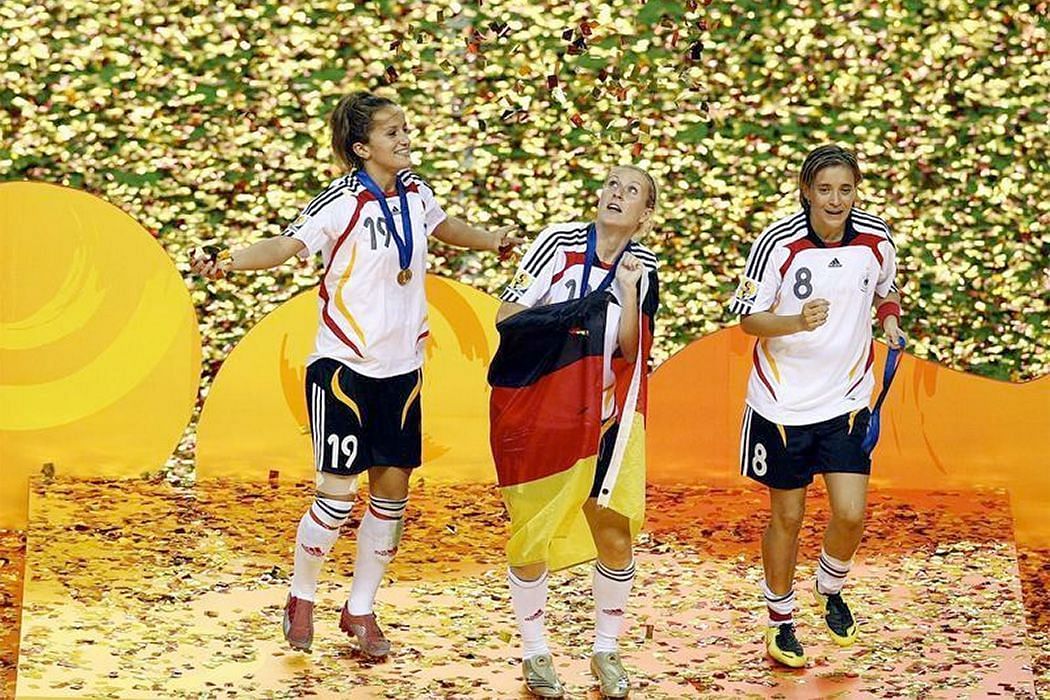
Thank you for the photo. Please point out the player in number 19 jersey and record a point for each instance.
(364, 378)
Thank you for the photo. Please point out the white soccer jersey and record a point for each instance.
(367, 320)
(552, 271)
(808, 377)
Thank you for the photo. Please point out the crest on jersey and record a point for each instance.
(522, 281)
(865, 282)
(298, 222)
(748, 290)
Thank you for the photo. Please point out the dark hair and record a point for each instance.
(826, 156)
(650, 200)
(351, 120)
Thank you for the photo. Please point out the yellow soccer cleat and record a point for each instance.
(541, 679)
(612, 678)
(784, 647)
(837, 617)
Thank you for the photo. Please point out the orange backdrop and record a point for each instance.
(941, 429)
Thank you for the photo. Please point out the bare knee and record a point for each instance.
(849, 518)
(336, 486)
(614, 547)
(787, 520)
(389, 482)
(529, 572)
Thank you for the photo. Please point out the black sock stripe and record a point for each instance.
(335, 505)
(830, 573)
(330, 511)
(615, 575)
(388, 504)
(824, 563)
(780, 599)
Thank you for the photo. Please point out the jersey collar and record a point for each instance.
(847, 235)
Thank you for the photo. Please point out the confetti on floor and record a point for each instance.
(12, 557)
(136, 589)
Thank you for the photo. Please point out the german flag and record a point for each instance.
(546, 424)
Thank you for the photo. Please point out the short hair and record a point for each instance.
(351, 121)
(826, 156)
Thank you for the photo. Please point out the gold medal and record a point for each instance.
(404, 277)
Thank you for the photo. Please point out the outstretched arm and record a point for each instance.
(262, 255)
(457, 232)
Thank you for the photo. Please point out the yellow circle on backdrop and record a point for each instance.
(99, 348)
(255, 417)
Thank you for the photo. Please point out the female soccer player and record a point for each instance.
(576, 261)
(806, 294)
(364, 377)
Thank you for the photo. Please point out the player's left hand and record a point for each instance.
(504, 240)
(894, 337)
(629, 271)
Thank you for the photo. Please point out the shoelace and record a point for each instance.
(787, 641)
(838, 611)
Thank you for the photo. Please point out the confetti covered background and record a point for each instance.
(206, 122)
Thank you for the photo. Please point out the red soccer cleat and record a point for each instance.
(370, 638)
(299, 623)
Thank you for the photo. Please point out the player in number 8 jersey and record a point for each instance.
(363, 379)
(807, 292)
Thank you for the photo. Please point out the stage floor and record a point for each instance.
(136, 589)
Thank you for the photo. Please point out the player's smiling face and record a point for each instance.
(624, 201)
(389, 146)
(831, 197)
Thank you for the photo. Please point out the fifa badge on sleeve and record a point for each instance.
(748, 290)
(522, 281)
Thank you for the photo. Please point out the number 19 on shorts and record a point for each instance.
(345, 447)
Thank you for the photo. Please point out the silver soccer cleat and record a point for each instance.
(612, 679)
(540, 677)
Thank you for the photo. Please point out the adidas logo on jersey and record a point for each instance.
(834, 263)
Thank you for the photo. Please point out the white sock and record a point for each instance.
(831, 573)
(529, 599)
(780, 606)
(611, 589)
(318, 531)
(377, 541)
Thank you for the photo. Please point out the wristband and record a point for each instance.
(888, 308)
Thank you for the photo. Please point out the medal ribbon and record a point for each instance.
(591, 254)
(404, 246)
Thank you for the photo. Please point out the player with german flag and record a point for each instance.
(568, 401)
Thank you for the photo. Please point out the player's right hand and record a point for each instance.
(204, 263)
(814, 314)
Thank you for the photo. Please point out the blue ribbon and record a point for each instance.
(404, 247)
(893, 361)
(590, 255)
